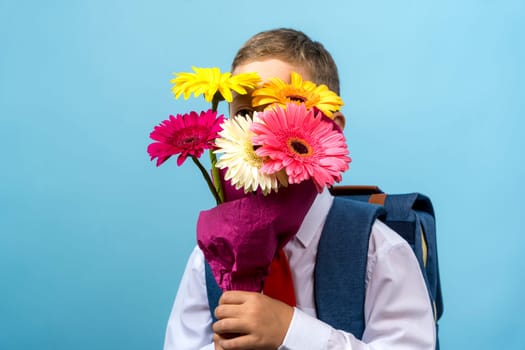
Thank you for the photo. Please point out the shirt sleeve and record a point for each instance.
(398, 313)
(189, 324)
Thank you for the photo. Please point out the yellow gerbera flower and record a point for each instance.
(209, 81)
(276, 91)
(238, 156)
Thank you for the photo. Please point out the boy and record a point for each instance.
(398, 314)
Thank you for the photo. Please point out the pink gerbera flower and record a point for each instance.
(303, 143)
(186, 135)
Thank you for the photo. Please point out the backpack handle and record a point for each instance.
(374, 193)
(355, 190)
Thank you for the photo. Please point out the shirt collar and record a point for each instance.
(315, 217)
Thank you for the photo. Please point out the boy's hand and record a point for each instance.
(256, 321)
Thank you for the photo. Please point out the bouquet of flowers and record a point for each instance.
(266, 167)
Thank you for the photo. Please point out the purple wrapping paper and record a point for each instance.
(239, 238)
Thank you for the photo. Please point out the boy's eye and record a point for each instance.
(245, 112)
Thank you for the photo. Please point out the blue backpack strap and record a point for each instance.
(412, 217)
(341, 264)
(428, 226)
(213, 290)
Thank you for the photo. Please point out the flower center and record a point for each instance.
(297, 98)
(251, 157)
(190, 137)
(188, 140)
(299, 147)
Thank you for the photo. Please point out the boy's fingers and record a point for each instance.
(227, 311)
(234, 297)
(229, 326)
(239, 342)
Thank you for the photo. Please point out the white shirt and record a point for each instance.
(398, 313)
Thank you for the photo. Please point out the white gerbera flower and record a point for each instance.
(238, 156)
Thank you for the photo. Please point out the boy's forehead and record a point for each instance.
(272, 68)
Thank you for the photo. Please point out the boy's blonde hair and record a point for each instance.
(293, 47)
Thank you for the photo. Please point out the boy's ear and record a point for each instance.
(339, 119)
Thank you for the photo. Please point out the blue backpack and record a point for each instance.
(343, 247)
(412, 217)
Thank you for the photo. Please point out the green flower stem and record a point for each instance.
(208, 180)
(215, 101)
(213, 158)
(216, 177)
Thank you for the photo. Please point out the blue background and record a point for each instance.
(94, 237)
